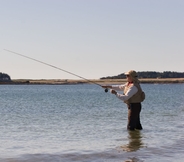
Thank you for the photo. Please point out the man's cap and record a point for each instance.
(132, 73)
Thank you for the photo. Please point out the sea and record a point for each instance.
(82, 123)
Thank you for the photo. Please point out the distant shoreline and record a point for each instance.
(97, 81)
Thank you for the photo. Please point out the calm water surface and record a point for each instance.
(66, 123)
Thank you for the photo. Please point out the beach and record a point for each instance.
(92, 81)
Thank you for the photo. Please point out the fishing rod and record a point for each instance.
(106, 90)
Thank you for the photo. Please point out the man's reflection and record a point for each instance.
(135, 141)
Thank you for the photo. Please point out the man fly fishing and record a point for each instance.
(132, 96)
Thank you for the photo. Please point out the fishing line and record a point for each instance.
(106, 90)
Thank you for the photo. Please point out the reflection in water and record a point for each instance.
(135, 141)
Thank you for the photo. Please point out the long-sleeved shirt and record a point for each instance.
(131, 91)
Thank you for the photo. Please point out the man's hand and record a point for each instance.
(113, 91)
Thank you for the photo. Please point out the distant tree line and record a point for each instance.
(4, 77)
(150, 74)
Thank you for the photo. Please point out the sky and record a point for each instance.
(90, 38)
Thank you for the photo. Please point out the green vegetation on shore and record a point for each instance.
(144, 77)
(150, 74)
(4, 77)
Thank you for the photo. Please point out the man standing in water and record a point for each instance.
(132, 96)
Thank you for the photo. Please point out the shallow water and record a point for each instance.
(57, 123)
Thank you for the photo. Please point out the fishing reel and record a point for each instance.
(106, 90)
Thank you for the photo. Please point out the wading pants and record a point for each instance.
(134, 110)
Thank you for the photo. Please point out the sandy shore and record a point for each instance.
(91, 81)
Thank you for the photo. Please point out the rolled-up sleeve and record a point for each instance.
(132, 90)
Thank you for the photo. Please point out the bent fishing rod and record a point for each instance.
(106, 90)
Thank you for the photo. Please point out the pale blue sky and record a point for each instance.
(91, 38)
